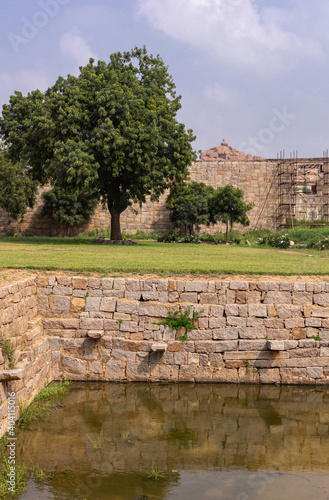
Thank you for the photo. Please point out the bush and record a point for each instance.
(168, 237)
(277, 240)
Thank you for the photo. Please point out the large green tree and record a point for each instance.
(228, 206)
(189, 204)
(110, 133)
(17, 189)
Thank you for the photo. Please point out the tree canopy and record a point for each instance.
(227, 205)
(17, 189)
(189, 204)
(110, 134)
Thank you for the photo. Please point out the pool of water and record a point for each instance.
(189, 442)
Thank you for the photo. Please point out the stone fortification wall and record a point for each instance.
(253, 177)
(108, 330)
(21, 324)
(259, 179)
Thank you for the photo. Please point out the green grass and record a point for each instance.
(161, 258)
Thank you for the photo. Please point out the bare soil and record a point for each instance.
(9, 276)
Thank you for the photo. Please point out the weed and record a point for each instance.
(316, 337)
(184, 338)
(97, 444)
(8, 351)
(39, 475)
(120, 320)
(53, 390)
(21, 476)
(86, 295)
(247, 364)
(177, 320)
(155, 474)
(33, 413)
(126, 437)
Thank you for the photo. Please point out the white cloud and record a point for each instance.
(236, 32)
(72, 45)
(220, 94)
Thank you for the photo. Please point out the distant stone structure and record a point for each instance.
(225, 152)
(280, 190)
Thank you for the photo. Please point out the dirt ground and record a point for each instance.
(9, 276)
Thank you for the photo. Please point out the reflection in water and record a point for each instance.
(182, 442)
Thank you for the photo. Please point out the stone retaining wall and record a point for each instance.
(108, 330)
(20, 323)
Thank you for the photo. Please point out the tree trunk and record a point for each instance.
(115, 224)
(226, 232)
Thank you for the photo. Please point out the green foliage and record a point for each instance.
(21, 477)
(8, 352)
(32, 414)
(189, 205)
(69, 207)
(316, 337)
(111, 133)
(276, 240)
(168, 237)
(227, 206)
(177, 320)
(97, 443)
(17, 188)
(41, 406)
(56, 389)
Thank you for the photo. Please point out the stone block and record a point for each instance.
(231, 310)
(74, 365)
(187, 373)
(216, 322)
(59, 303)
(252, 345)
(94, 283)
(258, 310)
(324, 352)
(253, 297)
(138, 371)
(64, 280)
(216, 311)
(223, 346)
(320, 312)
(123, 355)
(278, 298)
(77, 304)
(294, 323)
(225, 334)
(119, 284)
(270, 376)
(129, 326)
(302, 298)
(205, 346)
(240, 297)
(92, 324)
(62, 290)
(239, 285)
(313, 322)
(236, 321)
(314, 372)
(208, 298)
(298, 333)
(196, 286)
(175, 346)
(107, 283)
(224, 375)
(95, 334)
(216, 360)
(108, 304)
(115, 370)
(321, 299)
(252, 333)
(275, 345)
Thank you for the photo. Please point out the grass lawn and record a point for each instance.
(159, 258)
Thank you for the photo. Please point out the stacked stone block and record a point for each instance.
(105, 329)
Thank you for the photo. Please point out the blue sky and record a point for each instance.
(254, 72)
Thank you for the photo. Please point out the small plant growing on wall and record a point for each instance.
(178, 321)
(8, 352)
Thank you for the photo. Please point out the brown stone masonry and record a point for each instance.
(108, 330)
